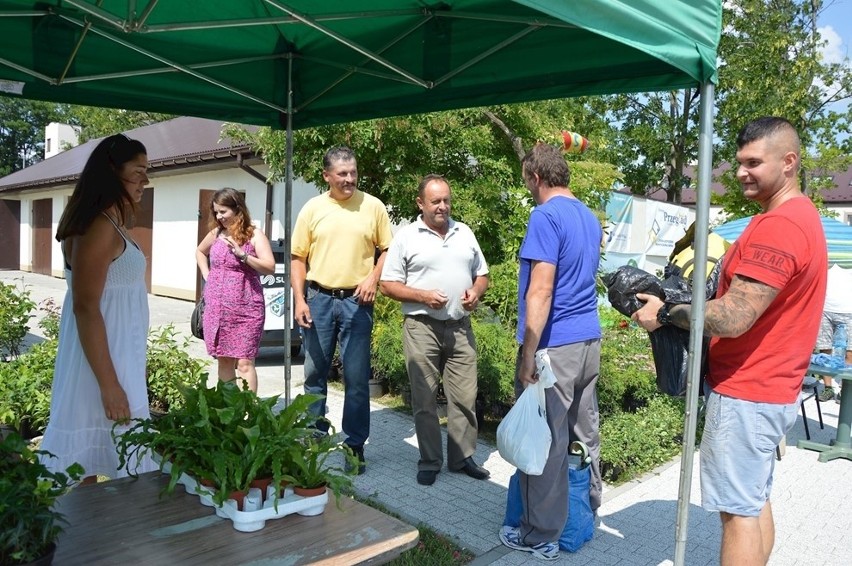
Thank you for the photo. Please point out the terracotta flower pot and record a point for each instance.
(238, 496)
(261, 484)
(309, 491)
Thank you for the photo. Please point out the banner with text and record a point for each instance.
(619, 213)
(665, 224)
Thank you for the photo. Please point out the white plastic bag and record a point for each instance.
(523, 437)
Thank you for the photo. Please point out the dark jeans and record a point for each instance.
(350, 324)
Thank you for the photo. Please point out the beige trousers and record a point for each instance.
(442, 351)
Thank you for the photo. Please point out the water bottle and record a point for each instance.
(838, 349)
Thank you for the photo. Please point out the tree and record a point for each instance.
(477, 149)
(772, 65)
(95, 122)
(22, 124)
(659, 139)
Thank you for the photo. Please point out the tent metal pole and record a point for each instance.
(696, 323)
(288, 215)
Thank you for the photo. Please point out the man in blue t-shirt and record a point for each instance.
(557, 311)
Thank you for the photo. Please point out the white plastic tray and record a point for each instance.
(258, 509)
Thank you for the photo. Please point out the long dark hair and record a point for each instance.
(100, 187)
(242, 229)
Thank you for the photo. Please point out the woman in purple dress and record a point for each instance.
(230, 258)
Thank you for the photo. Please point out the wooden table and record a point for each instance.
(125, 521)
(841, 446)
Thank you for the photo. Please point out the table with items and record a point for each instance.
(841, 446)
(129, 521)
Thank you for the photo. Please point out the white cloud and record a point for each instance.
(833, 50)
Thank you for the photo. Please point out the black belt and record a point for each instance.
(336, 293)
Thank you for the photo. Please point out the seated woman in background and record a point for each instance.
(230, 258)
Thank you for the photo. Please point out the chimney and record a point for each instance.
(59, 137)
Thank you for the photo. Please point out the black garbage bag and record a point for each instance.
(669, 344)
(623, 284)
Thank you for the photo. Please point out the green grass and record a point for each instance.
(432, 549)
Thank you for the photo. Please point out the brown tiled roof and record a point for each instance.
(841, 194)
(176, 143)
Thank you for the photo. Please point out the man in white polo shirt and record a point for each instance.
(436, 268)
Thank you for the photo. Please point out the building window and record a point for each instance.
(47, 145)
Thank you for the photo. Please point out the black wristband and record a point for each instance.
(664, 317)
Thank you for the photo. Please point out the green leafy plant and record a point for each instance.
(15, 312)
(502, 294)
(497, 349)
(627, 377)
(635, 442)
(224, 434)
(28, 490)
(25, 389)
(388, 360)
(168, 365)
(311, 467)
(49, 322)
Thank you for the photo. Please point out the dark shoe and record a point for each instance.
(426, 477)
(362, 467)
(473, 469)
(826, 395)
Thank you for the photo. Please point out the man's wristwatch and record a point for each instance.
(664, 317)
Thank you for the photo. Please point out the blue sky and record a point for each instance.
(836, 27)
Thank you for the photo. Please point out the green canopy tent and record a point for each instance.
(299, 63)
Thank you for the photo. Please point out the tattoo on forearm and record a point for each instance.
(738, 310)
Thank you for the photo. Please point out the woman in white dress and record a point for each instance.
(99, 377)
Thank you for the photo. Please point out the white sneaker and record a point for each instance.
(511, 537)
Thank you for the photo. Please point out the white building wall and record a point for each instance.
(57, 263)
(175, 227)
(26, 251)
(174, 235)
(57, 136)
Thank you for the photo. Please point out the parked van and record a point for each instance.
(273, 293)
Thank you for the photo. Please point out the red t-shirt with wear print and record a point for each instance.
(785, 249)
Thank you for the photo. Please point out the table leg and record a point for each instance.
(841, 446)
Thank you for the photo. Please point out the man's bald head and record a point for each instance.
(778, 133)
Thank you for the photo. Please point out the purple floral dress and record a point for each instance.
(234, 309)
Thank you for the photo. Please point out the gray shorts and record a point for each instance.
(738, 452)
(828, 324)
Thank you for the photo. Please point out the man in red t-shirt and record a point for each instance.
(764, 324)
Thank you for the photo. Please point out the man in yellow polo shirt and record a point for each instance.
(334, 275)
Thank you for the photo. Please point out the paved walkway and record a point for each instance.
(811, 500)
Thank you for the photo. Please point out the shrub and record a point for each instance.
(50, 321)
(388, 360)
(29, 523)
(168, 365)
(15, 312)
(502, 295)
(627, 376)
(25, 386)
(496, 364)
(634, 443)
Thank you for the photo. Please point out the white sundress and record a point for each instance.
(78, 430)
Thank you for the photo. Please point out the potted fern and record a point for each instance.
(29, 526)
(313, 470)
(225, 435)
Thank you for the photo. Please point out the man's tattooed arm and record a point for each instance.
(734, 313)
